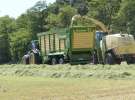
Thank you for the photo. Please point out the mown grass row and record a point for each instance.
(122, 71)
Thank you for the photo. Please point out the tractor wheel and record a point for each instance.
(109, 59)
(53, 61)
(25, 60)
(32, 58)
(61, 61)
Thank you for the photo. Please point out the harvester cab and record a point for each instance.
(98, 38)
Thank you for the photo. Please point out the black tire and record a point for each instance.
(25, 60)
(35, 58)
(53, 61)
(32, 58)
(95, 58)
(118, 61)
(109, 59)
(61, 61)
(130, 61)
(38, 59)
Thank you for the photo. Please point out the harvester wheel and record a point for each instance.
(95, 58)
(61, 61)
(109, 59)
(53, 61)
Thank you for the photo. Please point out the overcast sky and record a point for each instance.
(14, 8)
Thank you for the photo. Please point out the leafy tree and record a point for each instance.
(20, 38)
(23, 22)
(7, 26)
(54, 8)
(66, 15)
(19, 43)
(104, 10)
(77, 3)
(83, 10)
(125, 21)
(60, 1)
(38, 18)
(53, 20)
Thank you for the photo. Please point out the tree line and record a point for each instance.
(16, 34)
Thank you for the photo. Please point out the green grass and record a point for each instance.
(67, 71)
(30, 88)
(66, 82)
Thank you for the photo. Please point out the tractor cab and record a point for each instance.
(33, 55)
(34, 44)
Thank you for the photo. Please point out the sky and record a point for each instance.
(15, 8)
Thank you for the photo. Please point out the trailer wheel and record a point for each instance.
(61, 61)
(109, 59)
(130, 61)
(118, 61)
(53, 61)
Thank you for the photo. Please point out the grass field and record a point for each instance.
(67, 71)
(65, 82)
(29, 88)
